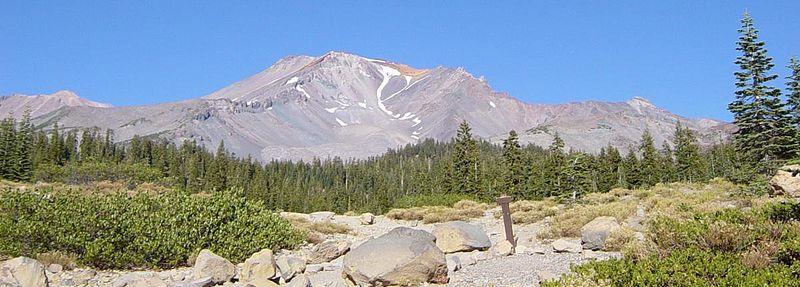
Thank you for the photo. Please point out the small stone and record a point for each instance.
(538, 250)
(55, 268)
(314, 268)
(563, 245)
(367, 219)
(504, 248)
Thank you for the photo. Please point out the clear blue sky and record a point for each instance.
(678, 54)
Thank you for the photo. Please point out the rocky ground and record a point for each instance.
(475, 254)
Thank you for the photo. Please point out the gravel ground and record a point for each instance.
(516, 270)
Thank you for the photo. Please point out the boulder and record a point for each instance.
(259, 269)
(563, 245)
(300, 281)
(367, 219)
(23, 272)
(211, 265)
(595, 233)
(289, 266)
(456, 236)
(403, 256)
(321, 216)
(504, 248)
(329, 250)
(787, 181)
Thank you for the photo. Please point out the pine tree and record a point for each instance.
(688, 164)
(649, 164)
(24, 142)
(465, 161)
(219, 169)
(764, 126)
(8, 139)
(630, 167)
(793, 95)
(513, 176)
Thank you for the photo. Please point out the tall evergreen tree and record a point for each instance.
(793, 95)
(764, 127)
(688, 164)
(24, 145)
(649, 164)
(513, 176)
(465, 161)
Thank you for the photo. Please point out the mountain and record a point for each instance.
(38, 105)
(341, 104)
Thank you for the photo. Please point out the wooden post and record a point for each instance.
(503, 201)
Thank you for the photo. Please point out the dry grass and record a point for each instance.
(761, 255)
(462, 210)
(315, 231)
(619, 239)
(531, 211)
(568, 222)
(66, 260)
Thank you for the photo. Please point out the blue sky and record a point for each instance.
(678, 54)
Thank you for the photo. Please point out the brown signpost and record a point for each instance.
(503, 201)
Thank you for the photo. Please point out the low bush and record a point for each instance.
(568, 222)
(462, 210)
(690, 267)
(726, 247)
(122, 230)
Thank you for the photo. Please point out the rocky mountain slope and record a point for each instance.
(15, 105)
(341, 104)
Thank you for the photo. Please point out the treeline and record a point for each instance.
(465, 166)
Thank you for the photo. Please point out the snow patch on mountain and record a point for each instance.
(387, 73)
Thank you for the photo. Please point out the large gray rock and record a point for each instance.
(208, 264)
(455, 236)
(595, 233)
(259, 269)
(787, 181)
(23, 272)
(403, 256)
(289, 266)
(329, 250)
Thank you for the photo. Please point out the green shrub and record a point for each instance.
(690, 267)
(121, 230)
(783, 211)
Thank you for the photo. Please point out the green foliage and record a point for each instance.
(766, 132)
(513, 175)
(120, 230)
(465, 162)
(98, 171)
(690, 267)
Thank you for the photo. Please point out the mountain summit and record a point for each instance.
(340, 104)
